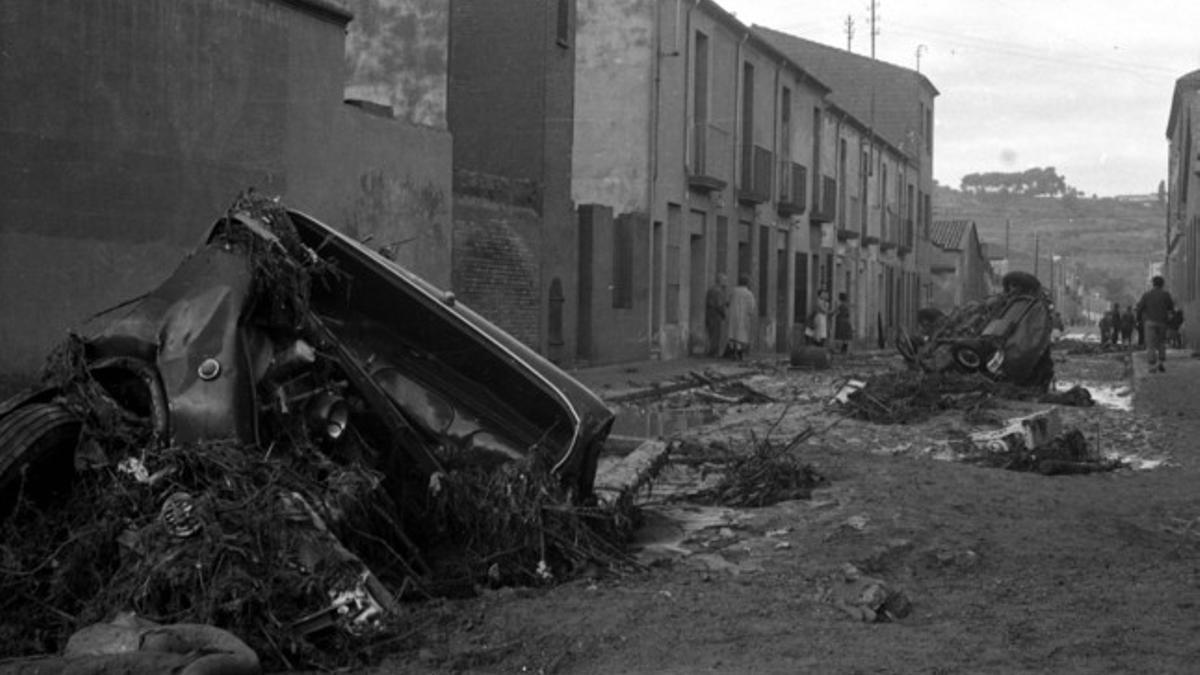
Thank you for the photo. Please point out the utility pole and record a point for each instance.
(921, 49)
(1036, 253)
(849, 33)
(874, 28)
(1007, 233)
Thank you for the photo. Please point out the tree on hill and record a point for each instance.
(1033, 182)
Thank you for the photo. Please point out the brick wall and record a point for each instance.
(495, 269)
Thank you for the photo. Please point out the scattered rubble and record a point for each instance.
(865, 598)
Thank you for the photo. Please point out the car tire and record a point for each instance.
(968, 359)
(37, 443)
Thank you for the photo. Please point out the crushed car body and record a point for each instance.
(1006, 336)
(289, 382)
(220, 343)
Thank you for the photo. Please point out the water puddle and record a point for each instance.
(667, 528)
(661, 423)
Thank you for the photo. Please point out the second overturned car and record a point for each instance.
(1006, 336)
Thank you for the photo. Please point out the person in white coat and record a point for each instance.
(741, 318)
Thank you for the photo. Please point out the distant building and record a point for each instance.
(959, 267)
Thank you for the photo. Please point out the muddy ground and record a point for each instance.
(1006, 572)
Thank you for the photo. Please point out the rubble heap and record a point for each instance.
(904, 397)
(769, 474)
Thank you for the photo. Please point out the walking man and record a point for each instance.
(715, 303)
(1127, 323)
(1155, 308)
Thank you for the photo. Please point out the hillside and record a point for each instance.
(1112, 242)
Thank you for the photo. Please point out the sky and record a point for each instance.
(1084, 86)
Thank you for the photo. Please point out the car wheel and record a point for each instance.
(37, 448)
(967, 358)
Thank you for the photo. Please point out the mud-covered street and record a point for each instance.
(1005, 571)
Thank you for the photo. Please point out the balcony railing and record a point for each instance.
(793, 188)
(757, 169)
(709, 167)
(825, 208)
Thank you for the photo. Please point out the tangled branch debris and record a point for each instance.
(516, 525)
(908, 397)
(770, 474)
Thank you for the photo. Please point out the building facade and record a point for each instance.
(511, 113)
(129, 127)
(1182, 255)
(959, 267)
(894, 109)
(703, 148)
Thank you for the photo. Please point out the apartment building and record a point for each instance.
(1182, 256)
(891, 147)
(698, 151)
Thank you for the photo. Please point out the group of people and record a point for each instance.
(731, 312)
(1156, 320)
(1117, 327)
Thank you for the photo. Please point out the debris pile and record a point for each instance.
(771, 473)
(905, 397)
(515, 525)
(1066, 453)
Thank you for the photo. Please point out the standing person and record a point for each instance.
(843, 330)
(716, 301)
(1155, 308)
(1106, 328)
(741, 316)
(1175, 329)
(1127, 324)
(818, 320)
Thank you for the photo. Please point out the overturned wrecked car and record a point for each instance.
(1006, 336)
(268, 440)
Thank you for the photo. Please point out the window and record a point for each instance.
(785, 117)
(816, 156)
(929, 130)
(674, 235)
(764, 279)
(700, 106)
(723, 244)
(622, 274)
(563, 32)
(747, 126)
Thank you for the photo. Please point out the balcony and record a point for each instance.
(793, 189)
(707, 148)
(887, 228)
(825, 208)
(757, 168)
